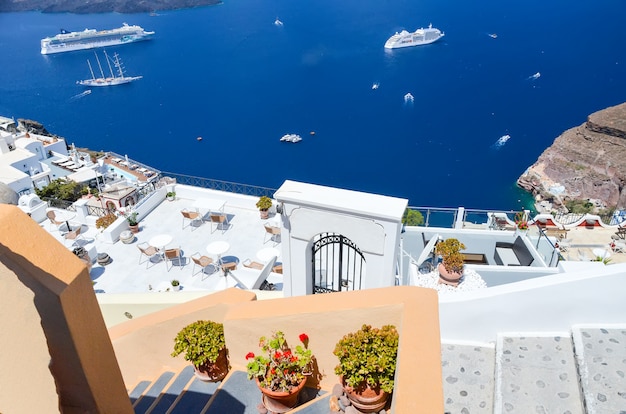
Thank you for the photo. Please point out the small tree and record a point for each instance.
(412, 218)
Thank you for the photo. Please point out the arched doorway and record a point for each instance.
(337, 264)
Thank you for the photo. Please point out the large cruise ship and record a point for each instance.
(91, 38)
(419, 37)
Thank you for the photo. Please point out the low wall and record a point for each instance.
(551, 303)
(143, 345)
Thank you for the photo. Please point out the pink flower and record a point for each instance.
(250, 355)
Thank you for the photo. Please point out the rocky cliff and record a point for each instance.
(585, 162)
(100, 6)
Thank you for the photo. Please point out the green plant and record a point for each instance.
(200, 341)
(520, 220)
(170, 194)
(105, 221)
(369, 355)
(451, 257)
(131, 218)
(61, 189)
(280, 369)
(264, 203)
(175, 282)
(412, 218)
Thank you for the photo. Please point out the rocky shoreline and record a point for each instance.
(587, 162)
(100, 6)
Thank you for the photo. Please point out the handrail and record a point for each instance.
(227, 186)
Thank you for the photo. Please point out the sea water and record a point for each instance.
(228, 74)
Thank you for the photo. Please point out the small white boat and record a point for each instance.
(503, 139)
(536, 75)
(291, 138)
(375, 85)
(408, 98)
(278, 22)
(492, 35)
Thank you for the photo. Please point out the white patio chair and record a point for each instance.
(174, 255)
(220, 220)
(204, 262)
(148, 251)
(274, 234)
(74, 235)
(191, 216)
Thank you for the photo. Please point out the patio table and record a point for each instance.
(66, 216)
(210, 204)
(267, 253)
(160, 241)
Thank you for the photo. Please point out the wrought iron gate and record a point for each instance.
(337, 264)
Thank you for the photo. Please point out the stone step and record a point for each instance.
(149, 397)
(138, 391)
(195, 396)
(601, 354)
(536, 374)
(468, 371)
(173, 392)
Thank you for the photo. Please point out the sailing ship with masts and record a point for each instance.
(118, 78)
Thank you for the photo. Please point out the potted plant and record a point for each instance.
(367, 366)
(521, 223)
(175, 285)
(264, 204)
(280, 372)
(204, 346)
(133, 224)
(171, 195)
(452, 261)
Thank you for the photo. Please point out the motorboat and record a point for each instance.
(375, 85)
(408, 98)
(419, 37)
(291, 138)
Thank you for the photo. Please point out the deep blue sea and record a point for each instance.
(227, 74)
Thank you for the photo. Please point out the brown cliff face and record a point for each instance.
(100, 6)
(585, 162)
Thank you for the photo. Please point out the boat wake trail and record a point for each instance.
(500, 142)
(533, 77)
(80, 95)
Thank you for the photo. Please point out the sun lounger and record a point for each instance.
(117, 160)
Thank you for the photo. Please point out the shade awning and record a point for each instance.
(84, 176)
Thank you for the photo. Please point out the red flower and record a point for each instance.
(304, 338)
(249, 355)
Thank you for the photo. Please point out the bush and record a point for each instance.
(412, 218)
(105, 221)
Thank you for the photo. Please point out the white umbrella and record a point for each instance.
(427, 250)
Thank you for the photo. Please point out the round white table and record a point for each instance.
(218, 248)
(160, 241)
(267, 253)
(66, 216)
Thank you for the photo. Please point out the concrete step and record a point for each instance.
(138, 391)
(195, 396)
(536, 374)
(173, 392)
(601, 355)
(468, 372)
(149, 397)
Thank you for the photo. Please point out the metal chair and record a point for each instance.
(148, 251)
(52, 217)
(203, 262)
(191, 216)
(220, 220)
(273, 233)
(252, 264)
(171, 255)
(73, 235)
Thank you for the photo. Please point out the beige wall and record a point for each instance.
(57, 335)
(143, 345)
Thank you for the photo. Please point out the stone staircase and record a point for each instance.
(183, 393)
(577, 372)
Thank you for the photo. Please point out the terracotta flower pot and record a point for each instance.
(134, 228)
(280, 401)
(448, 278)
(365, 398)
(213, 372)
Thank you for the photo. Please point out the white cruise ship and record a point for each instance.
(419, 37)
(91, 38)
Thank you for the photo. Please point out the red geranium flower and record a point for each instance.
(250, 355)
(304, 338)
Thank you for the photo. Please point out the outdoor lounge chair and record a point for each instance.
(174, 255)
(254, 279)
(148, 251)
(73, 235)
(203, 262)
(273, 232)
(252, 264)
(52, 217)
(220, 220)
(192, 217)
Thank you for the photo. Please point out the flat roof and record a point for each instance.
(351, 201)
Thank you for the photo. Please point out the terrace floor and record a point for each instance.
(125, 273)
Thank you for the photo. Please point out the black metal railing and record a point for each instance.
(56, 203)
(227, 186)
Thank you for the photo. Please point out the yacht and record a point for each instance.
(277, 22)
(408, 98)
(115, 79)
(417, 38)
(91, 38)
(291, 138)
